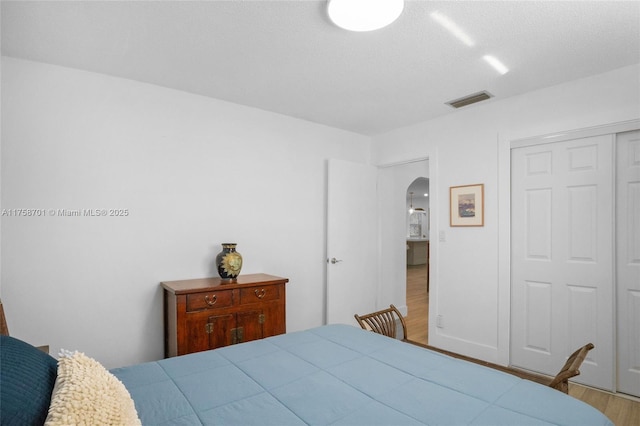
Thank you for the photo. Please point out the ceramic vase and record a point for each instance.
(229, 262)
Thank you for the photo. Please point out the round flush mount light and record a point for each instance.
(364, 15)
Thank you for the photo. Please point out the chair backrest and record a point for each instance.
(383, 322)
(4, 328)
(571, 368)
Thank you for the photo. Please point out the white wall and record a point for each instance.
(193, 172)
(470, 288)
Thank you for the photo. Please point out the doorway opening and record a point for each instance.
(417, 260)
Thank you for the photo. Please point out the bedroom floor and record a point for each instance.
(622, 411)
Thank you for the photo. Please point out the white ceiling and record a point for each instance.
(419, 187)
(287, 57)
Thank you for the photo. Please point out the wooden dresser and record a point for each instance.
(209, 313)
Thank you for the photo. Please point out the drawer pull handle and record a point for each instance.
(260, 293)
(211, 300)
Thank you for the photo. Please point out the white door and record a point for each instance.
(352, 241)
(562, 256)
(628, 261)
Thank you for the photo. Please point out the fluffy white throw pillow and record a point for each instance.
(85, 393)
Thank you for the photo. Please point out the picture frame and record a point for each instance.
(466, 205)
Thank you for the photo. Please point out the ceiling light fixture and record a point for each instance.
(453, 28)
(417, 209)
(411, 210)
(364, 15)
(496, 64)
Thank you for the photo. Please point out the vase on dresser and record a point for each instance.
(229, 262)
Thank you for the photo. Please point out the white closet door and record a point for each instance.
(628, 261)
(562, 256)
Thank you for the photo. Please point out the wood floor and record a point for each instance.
(621, 410)
(418, 303)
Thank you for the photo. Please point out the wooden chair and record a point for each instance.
(571, 368)
(383, 322)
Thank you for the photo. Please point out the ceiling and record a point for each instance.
(419, 187)
(287, 57)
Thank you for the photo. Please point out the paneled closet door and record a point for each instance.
(628, 261)
(562, 256)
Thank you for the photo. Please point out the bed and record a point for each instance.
(340, 375)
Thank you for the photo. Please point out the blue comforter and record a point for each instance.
(340, 375)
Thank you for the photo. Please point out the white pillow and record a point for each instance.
(85, 393)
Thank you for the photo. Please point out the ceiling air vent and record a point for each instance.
(471, 99)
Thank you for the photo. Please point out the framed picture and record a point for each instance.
(467, 205)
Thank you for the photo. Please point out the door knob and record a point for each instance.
(334, 260)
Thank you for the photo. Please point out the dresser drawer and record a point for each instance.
(211, 300)
(259, 294)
